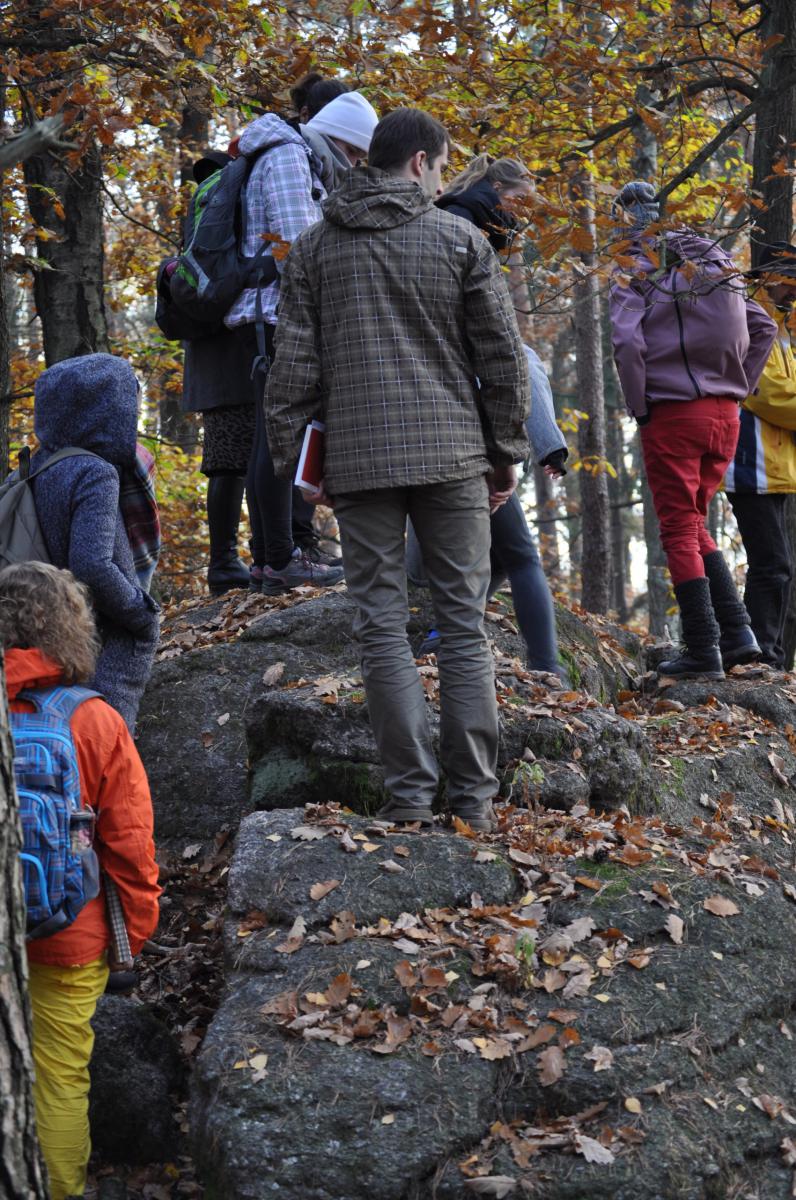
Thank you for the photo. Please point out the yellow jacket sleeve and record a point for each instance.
(775, 399)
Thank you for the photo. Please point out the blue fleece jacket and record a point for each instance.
(92, 402)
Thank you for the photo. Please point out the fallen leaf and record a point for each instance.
(720, 906)
(308, 833)
(485, 856)
(433, 977)
(388, 1119)
(777, 765)
(568, 1037)
(592, 1150)
(339, 990)
(520, 856)
(550, 1065)
(347, 842)
(593, 885)
(674, 926)
(401, 851)
(390, 865)
(563, 1015)
(405, 974)
(632, 1104)
(369, 847)
(494, 1048)
(602, 1058)
(582, 928)
(273, 674)
(319, 890)
(258, 1062)
(553, 980)
(295, 937)
(207, 740)
(492, 1185)
(222, 720)
(192, 850)
(639, 960)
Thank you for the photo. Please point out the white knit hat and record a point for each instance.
(349, 117)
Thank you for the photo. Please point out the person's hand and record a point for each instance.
(553, 465)
(501, 482)
(320, 497)
(554, 472)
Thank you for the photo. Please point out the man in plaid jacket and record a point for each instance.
(390, 310)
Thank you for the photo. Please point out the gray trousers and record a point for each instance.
(452, 525)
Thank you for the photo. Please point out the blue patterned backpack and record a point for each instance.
(59, 867)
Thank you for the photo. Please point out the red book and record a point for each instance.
(309, 472)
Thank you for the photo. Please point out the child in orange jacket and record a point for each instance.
(49, 638)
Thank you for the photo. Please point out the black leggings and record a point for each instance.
(270, 500)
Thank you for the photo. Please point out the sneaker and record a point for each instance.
(300, 571)
(255, 579)
(312, 551)
(427, 643)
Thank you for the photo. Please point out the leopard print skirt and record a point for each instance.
(228, 440)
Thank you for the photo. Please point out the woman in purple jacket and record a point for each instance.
(689, 347)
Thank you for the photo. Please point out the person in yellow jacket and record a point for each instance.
(763, 473)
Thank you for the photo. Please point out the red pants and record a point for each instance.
(687, 447)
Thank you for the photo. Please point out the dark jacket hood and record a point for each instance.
(481, 205)
(372, 199)
(91, 402)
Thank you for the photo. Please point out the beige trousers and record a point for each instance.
(452, 525)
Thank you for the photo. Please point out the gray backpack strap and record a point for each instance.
(59, 456)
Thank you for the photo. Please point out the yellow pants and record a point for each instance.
(63, 1001)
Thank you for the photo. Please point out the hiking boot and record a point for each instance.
(737, 642)
(399, 812)
(427, 643)
(224, 499)
(225, 577)
(478, 814)
(255, 579)
(299, 572)
(700, 658)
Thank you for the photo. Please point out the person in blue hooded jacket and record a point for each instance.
(91, 402)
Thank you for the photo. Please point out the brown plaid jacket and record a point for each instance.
(390, 310)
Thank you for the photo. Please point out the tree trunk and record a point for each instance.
(596, 558)
(5, 369)
(68, 285)
(614, 410)
(22, 1173)
(775, 131)
(546, 506)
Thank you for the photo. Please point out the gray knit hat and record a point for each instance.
(638, 199)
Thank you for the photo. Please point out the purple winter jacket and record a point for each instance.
(677, 338)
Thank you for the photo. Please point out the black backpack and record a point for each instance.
(197, 288)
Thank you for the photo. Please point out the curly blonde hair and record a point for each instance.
(44, 608)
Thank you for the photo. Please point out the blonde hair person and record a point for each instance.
(50, 643)
(45, 607)
(506, 176)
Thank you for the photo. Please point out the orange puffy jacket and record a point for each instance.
(113, 782)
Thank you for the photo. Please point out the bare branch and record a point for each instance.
(41, 136)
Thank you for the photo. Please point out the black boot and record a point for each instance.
(700, 658)
(737, 643)
(224, 499)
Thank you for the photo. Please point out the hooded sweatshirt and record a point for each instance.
(481, 205)
(684, 334)
(334, 165)
(92, 402)
(390, 310)
(282, 197)
(114, 784)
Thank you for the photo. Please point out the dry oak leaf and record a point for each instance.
(339, 990)
(602, 1058)
(319, 890)
(777, 763)
(550, 1065)
(592, 1150)
(492, 1185)
(405, 974)
(391, 866)
(433, 977)
(582, 928)
(492, 1048)
(720, 906)
(308, 833)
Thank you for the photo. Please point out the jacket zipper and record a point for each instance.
(682, 349)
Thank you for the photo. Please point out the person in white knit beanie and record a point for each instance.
(348, 122)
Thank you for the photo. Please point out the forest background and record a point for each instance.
(106, 106)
